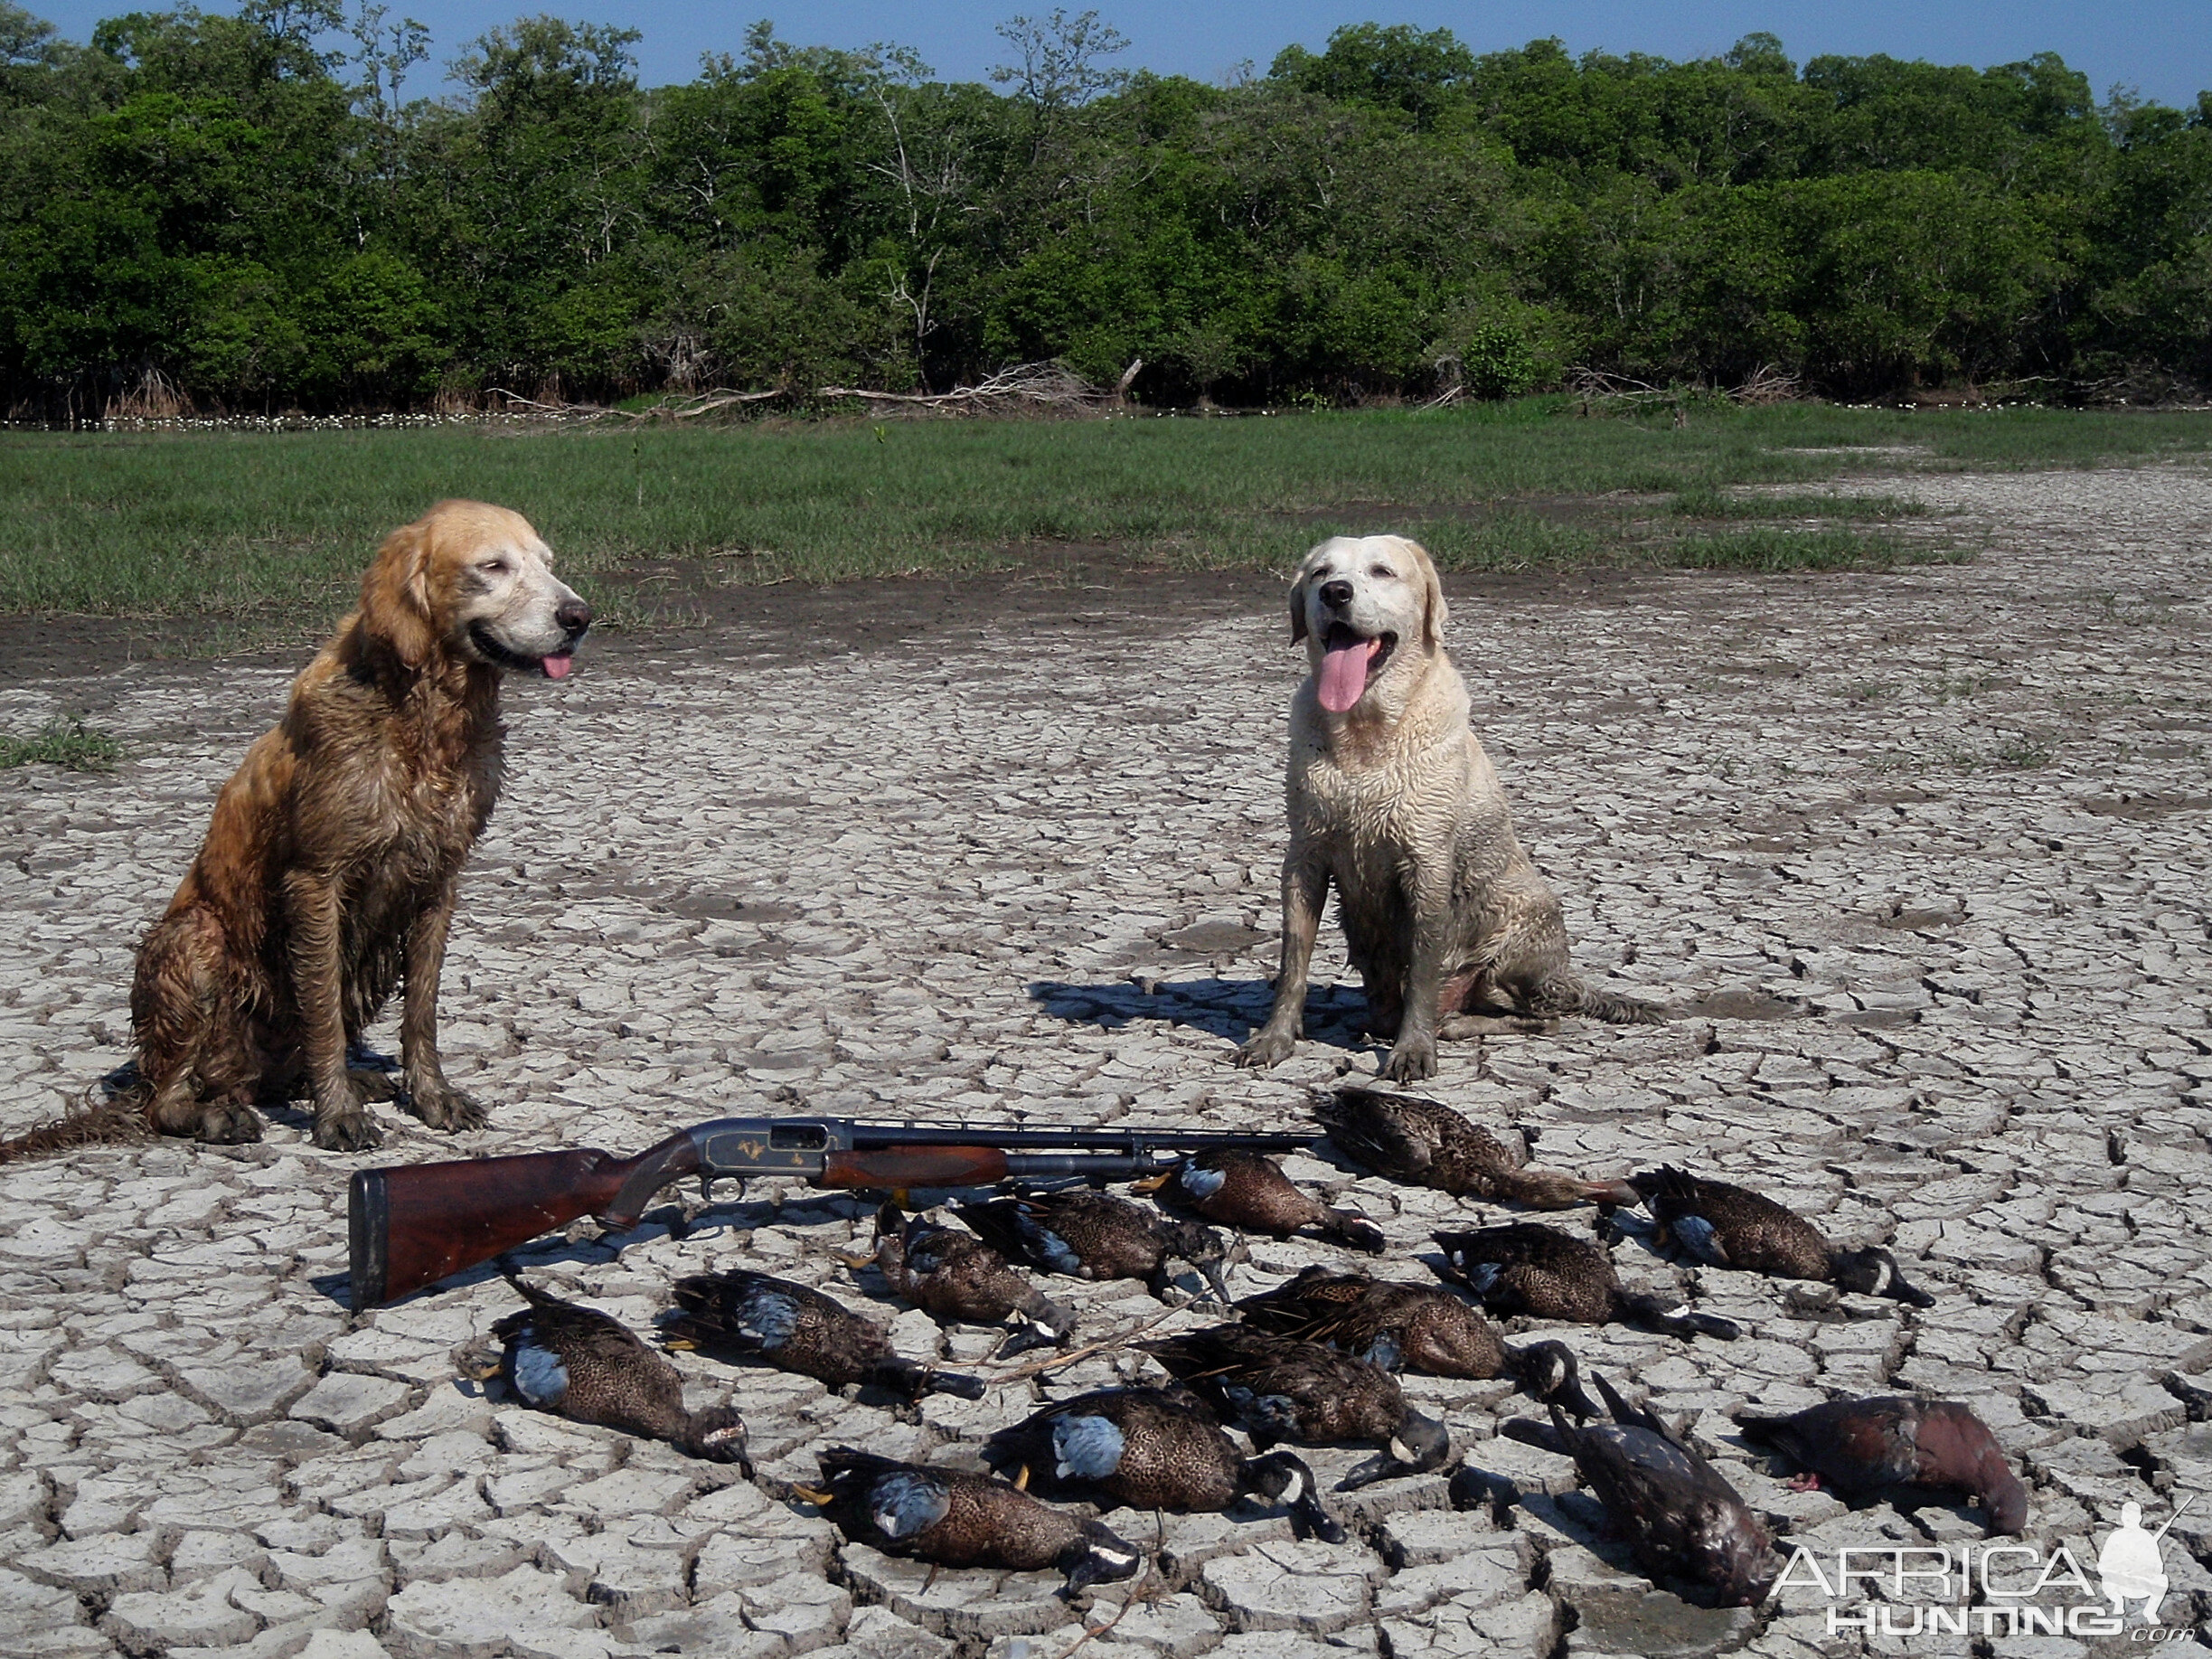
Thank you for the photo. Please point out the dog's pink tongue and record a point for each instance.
(557, 667)
(1343, 673)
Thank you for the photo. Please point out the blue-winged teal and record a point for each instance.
(957, 1520)
(1279, 1388)
(1412, 1327)
(1248, 1190)
(1426, 1143)
(1528, 1267)
(794, 1328)
(1727, 1225)
(1679, 1516)
(1095, 1235)
(950, 1274)
(578, 1363)
(1152, 1448)
(1897, 1445)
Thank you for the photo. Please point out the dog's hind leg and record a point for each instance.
(187, 1025)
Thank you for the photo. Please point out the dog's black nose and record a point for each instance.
(574, 615)
(1336, 595)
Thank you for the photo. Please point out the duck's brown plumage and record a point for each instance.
(950, 1274)
(794, 1328)
(1528, 1267)
(1419, 1328)
(960, 1519)
(1729, 1226)
(1425, 1143)
(1280, 1389)
(1152, 1448)
(1680, 1516)
(1899, 1442)
(579, 1364)
(1095, 1236)
(1248, 1190)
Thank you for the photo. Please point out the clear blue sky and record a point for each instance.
(2161, 48)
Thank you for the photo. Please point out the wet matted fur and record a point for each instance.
(1392, 799)
(328, 872)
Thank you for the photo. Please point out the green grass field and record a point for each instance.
(269, 532)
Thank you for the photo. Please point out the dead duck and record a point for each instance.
(950, 1274)
(1095, 1235)
(794, 1328)
(578, 1363)
(1279, 1388)
(1727, 1225)
(1528, 1267)
(1680, 1514)
(956, 1519)
(1154, 1448)
(1897, 1445)
(1413, 1328)
(1426, 1143)
(1248, 1190)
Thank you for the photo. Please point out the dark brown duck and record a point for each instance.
(1727, 1225)
(1249, 1190)
(1681, 1517)
(1095, 1235)
(1528, 1267)
(1412, 1327)
(753, 1315)
(952, 1275)
(959, 1520)
(1152, 1448)
(1278, 1389)
(1426, 1143)
(578, 1363)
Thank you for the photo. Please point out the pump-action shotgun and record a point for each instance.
(411, 1225)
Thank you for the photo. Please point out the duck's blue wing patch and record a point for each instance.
(1048, 1247)
(1087, 1447)
(1384, 1351)
(906, 1502)
(1199, 1182)
(1268, 1413)
(1481, 1275)
(1695, 1234)
(538, 1374)
(769, 1317)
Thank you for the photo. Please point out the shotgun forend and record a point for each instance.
(411, 1225)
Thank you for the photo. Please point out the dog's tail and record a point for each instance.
(1569, 994)
(102, 1118)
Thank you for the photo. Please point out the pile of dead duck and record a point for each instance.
(1312, 1361)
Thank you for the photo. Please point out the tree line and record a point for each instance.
(240, 213)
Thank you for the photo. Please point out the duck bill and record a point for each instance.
(1216, 1276)
(1308, 1516)
(1912, 1295)
(1570, 1399)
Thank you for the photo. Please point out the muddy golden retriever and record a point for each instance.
(1391, 797)
(328, 872)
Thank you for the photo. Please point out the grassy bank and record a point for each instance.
(272, 530)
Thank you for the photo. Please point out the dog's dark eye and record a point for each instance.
(1382, 571)
(496, 567)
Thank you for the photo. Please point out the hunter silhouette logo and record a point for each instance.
(2131, 1566)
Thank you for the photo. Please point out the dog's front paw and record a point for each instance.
(349, 1128)
(228, 1124)
(447, 1108)
(1270, 1047)
(1413, 1059)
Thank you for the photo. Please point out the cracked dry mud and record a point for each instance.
(1919, 856)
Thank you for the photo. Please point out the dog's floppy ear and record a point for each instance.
(1434, 612)
(395, 595)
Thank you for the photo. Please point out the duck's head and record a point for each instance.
(1546, 1374)
(1420, 1442)
(718, 1435)
(1873, 1271)
(1100, 1557)
(1203, 1249)
(1282, 1477)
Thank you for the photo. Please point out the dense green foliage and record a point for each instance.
(226, 209)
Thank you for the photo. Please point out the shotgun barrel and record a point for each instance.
(411, 1225)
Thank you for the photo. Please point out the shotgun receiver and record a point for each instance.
(411, 1225)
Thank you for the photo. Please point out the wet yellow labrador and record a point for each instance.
(1391, 797)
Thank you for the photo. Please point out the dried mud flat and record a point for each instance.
(1920, 857)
